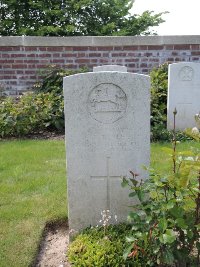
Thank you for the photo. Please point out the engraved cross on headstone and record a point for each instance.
(108, 178)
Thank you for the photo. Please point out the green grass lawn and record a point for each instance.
(33, 192)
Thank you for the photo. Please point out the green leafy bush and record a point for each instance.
(159, 87)
(166, 222)
(53, 79)
(31, 112)
(93, 248)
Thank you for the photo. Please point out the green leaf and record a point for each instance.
(181, 223)
(133, 194)
(168, 257)
(127, 251)
(124, 182)
(168, 237)
(162, 224)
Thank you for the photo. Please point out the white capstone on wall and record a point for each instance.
(107, 120)
(183, 94)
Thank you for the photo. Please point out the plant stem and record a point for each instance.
(174, 142)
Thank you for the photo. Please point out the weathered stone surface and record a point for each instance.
(183, 94)
(110, 68)
(107, 117)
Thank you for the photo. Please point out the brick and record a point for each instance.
(42, 48)
(80, 48)
(105, 48)
(177, 59)
(56, 55)
(31, 55)
(155, 47)
(170, 59)
(54, 48)
(143, 65)
(6, 66)
(103, 60)
(44, 55)
(94, 54)
(69, 60)
(29, 72)
(195, 59)
(6, 55)
(131, 47)
(195, 53)
(69, 55)
(57, 61)
(131, 59)
(41, 66)
(181, 47)
(169, 47)
(194, 47)
(9, 72)
(3, 61)
(142, 47)
(68, 48)
(94, 60)
(72, 66)
(17, 61)
(92, 48)
(19, 66)
(6, 48)
(19, 71)
(18, 55)
(30, 48)
(30, 61)
(81, 55)
(119, 54)
(131, 65)
(148, 54)
(82, 60)
(105, 55)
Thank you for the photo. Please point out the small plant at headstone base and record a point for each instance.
(166, 221)
(93, 248)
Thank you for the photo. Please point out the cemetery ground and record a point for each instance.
(33, 194)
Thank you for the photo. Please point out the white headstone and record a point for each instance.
(110, 68)
(183, 94)
(107, 118)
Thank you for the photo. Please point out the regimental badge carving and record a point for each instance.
(107, 103)
(186, 73)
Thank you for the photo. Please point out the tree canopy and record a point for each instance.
(74, 18)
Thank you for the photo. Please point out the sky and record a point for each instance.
(183, 19)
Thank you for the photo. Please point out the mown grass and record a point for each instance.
(33, 192)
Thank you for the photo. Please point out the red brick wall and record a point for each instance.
(20, 65)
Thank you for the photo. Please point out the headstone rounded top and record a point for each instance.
(118, 68)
